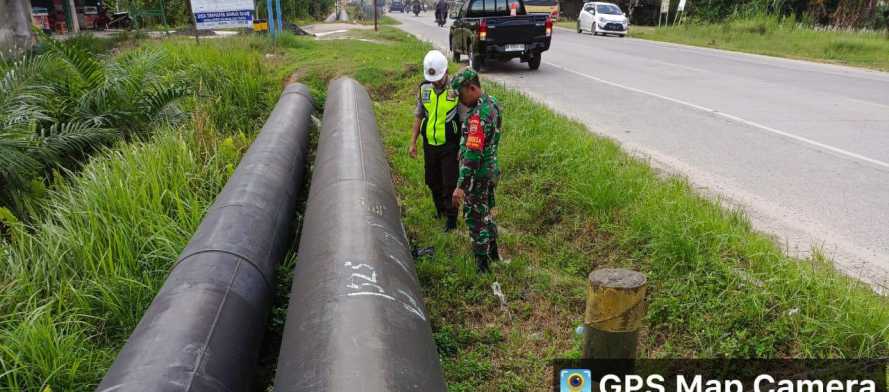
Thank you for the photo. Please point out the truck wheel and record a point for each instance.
(475, 60)
(579, 30)
(534, 61)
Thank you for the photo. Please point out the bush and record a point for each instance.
(80, 272)
(58, 107)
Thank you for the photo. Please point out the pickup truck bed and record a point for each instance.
(491, 35)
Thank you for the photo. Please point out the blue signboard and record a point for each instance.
(223, 14)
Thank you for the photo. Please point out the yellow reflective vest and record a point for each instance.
(441, 124)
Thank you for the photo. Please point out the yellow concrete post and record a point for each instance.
(614, 311)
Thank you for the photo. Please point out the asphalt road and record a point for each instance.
(802, 147)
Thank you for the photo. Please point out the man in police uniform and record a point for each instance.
(479, 170)
(436, 118)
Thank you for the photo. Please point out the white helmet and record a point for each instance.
(435, 66)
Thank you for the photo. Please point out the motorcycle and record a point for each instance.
(417, 9)
(441, 17)
(116, 20)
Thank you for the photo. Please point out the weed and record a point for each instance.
(718, 288)
(79, 274)
(781, 37)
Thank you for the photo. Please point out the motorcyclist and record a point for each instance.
(441, 12)
(417, 7)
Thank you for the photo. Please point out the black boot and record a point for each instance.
(493, 252)
(451, 224)
(481, 261)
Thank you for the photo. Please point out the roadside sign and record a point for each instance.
(223, 14)
(665, 10)
(681, 5)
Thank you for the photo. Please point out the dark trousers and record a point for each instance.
(441, 175)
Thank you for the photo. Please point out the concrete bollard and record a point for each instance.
(614, 311)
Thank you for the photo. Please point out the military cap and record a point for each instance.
(461, 77)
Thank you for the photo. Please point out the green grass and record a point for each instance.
(77, 278)
(773, 37)
(570, 202)
(568, 24)
(75, 282)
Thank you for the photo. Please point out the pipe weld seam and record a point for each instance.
(300, 93)
(265, 279)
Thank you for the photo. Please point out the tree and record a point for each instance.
(15, 31)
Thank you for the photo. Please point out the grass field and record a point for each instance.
(769, 36)
(76, 280)
(75, 283)
(773, 37)
(570, 202)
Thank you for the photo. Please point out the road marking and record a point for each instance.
(836, 150)
(786, 63)
(788, 135)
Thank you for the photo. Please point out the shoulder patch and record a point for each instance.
(475, 135)
(452, 95)
(425, 92)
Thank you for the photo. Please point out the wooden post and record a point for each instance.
(376, 26)
(194, 22)
(614, 311)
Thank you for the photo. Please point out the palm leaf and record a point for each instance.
(16, 159)
(90, 70)
(160, 96)
(21, 91)
(70, 139)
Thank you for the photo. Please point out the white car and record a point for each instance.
(603, 18)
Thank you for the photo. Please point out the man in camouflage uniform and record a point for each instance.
(479, 171)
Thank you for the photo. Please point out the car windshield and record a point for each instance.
(608, 9)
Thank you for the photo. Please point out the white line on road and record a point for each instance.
(788, 135)
(836, 150)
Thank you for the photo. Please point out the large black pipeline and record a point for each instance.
(204, 329)
(356, 319)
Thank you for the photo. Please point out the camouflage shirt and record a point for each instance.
(479, 160)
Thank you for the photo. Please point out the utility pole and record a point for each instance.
(280, 17)
(15, 31)
(271, 16)
(74, 23)
(376, 25)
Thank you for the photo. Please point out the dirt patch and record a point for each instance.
(295, 77)
(534, 330)
(321, 30)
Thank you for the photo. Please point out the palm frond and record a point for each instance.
(70, 139)
(22, 92)
(16, 159)
(90, 70)
(158, 96)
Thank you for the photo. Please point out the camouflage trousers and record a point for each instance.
(479, 220)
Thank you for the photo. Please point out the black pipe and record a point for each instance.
(204, 329)
(356, 320)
